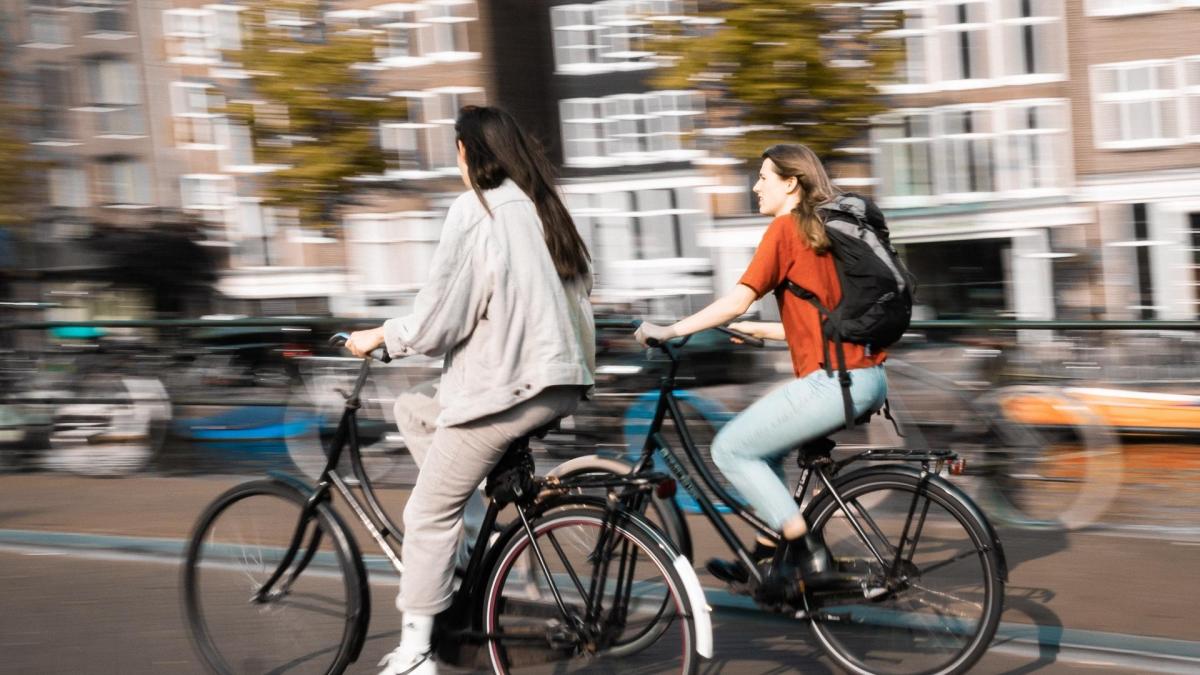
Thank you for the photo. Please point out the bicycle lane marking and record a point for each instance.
(1142, 652)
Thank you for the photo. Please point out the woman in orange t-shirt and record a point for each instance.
(792, 185)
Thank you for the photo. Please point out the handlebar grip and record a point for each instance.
(379, 353)
(748, 339)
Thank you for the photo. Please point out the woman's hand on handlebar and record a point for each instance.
(363, 342)
(649, 331)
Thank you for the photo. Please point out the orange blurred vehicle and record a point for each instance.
(1122, 410)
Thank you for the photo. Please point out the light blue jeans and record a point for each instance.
(750, 449)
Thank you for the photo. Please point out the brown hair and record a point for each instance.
(797, 161)
(497, 149)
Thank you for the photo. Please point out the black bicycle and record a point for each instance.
(927, 569)
(274, 580)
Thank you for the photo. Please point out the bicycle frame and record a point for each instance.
(382, 529)
(669, 405)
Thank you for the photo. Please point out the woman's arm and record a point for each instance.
(768, 330)
(722, 310)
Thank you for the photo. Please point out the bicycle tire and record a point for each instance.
(1061, 477)
(668, 515)
(922, 630)
(215, 571)
(498, 598)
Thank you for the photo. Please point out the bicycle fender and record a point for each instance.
(943, 484)
(701, 617)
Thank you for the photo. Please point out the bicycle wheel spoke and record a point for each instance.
(931, 620)
(610, 566)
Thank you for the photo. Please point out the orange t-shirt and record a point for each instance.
(783, 254)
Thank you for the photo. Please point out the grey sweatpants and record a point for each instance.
(453, 461)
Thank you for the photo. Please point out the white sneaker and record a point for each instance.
(401, 662)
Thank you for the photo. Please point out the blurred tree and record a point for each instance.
(788, 71)
(309, 108)
(18, 170)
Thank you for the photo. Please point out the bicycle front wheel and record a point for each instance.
(937, 610)
(313, 617)
(615, 580)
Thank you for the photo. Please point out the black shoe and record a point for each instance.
(809, 555)
(734, 571)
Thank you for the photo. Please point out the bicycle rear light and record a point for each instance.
(957, 467)
(665, 489)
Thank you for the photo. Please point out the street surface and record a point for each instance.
(89, 573)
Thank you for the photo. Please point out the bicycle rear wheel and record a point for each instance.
(938, 614)
(312, 623)
(616, 581)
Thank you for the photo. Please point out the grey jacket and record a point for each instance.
(494, 306)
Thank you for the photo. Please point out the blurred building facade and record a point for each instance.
(1046, 149)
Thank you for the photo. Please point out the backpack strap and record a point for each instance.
(842, 373)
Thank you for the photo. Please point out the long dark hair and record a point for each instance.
(798, 161)
(497, 149)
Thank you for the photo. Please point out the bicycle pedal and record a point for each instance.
(872, 592)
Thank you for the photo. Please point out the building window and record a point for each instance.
(124, 181)
(913, 37)
(965, 151)
(205, 192)
(426, 141)
(905, 143)
(53, 119)
(48, 29)
(1136, 104)
(68, 187)
(1118, 7)
(612, 35)
(1190, 74)
(199, 36)
(416, 34)
(629, 128)
(193, 105)
(106, 16)
(1036, 146)
(963, 39)
(1033, 37)
(114, 88)
(448, 26)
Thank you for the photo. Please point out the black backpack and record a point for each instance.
(877, 289)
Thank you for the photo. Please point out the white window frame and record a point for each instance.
(191, 123)
(428, 135)
(51, 32)
(908, 200)
(115, 97)
(1155, 94)
(986, 29)
(125, 183)
(1130, 7)
(924, 34)
(217, 191)
(612, 31)
(1007, 166)
(1189, 116)
(68, 187)
(199, 36)
(641, 128)
(944, 177)
(438, 32)
(1056, 45)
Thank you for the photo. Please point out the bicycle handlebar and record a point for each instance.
(379, 353)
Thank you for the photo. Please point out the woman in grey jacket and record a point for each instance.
(507, 305)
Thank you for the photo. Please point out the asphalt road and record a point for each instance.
(89, 581)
